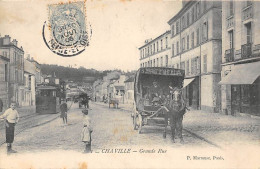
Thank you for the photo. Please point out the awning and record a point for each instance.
(186, 82)
(242, 74)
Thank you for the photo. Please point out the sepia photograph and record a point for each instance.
(122, 84)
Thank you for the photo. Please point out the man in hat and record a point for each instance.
(155, 91)
(11, 117)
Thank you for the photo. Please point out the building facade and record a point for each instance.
(9, 49)
(155, 52)
(29, 84)
(4, 79)
(240, 83)
(195, 41)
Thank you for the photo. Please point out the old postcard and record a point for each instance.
(129, 84)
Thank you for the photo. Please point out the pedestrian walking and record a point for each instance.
(86, 131)
(11, 117)
(63, 111)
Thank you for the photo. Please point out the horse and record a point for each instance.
(176, 109)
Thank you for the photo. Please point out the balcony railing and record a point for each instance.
(246, 50)
(229, 55)
(230, 21)
(247, 13)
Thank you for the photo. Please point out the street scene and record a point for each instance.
(175, 79)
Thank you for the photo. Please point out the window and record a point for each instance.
(161, 44)
(157, 46)
(154, 63)
(154, 48)
(145, 52)
(188, 19)
(205, 63)
(148, 50)
(192, 15)
(177, 27)
(205, 31)
(231, 8)
(230, 34)
(183, 22)
(198, 9)
(183, 44)
(157, 62)
(161, 61)
(205, 6)
(187, 67)
(177, 65)
(151, 49)
(141, 54)
(188, 42)
(166, 61)
(192, 40)
(183, 65)
(177, 46)
(166, 42)
(172, 50)
(248, 33)
(172, 30)
(198, 36)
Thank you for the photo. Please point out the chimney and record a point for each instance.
(6, 40)
(32, 59)
(15, 42)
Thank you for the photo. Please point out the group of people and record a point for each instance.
(11, 118)
(87, 128)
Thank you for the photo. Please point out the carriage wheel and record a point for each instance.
(140, 123)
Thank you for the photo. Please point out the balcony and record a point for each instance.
(230, 21)
(229, 55)
(246, 50)
(247, 13)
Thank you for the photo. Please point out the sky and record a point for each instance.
(119, 28)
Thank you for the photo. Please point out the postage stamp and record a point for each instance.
(67, 34)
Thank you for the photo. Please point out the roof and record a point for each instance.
(131, 79)
(120, 87)
(175, 17)
(167, 32)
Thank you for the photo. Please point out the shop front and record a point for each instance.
(244, 82)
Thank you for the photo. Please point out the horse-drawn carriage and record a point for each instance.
(157, 98)
(114, 102)
(83, 100)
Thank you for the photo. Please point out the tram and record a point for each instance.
(47, 100)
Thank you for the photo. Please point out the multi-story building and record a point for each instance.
(11, 51)
(195, 41)
(4, 76)
(240, 57)
(38, 74)
(155, 52)
(29, 83)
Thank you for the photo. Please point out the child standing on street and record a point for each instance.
(86, 131)
(11, 117)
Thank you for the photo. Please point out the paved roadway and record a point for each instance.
(112, 129)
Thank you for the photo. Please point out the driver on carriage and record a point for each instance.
(155, 92)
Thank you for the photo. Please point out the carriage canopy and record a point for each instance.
(164, 77)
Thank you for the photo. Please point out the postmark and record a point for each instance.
(67, 31)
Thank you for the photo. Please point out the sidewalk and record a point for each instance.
(217, 128)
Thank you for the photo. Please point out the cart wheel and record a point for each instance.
(140, 122)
